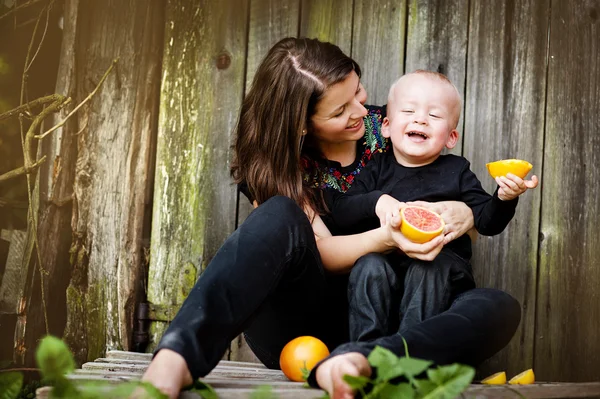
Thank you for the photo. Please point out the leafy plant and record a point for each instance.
(400, 377)
(55, 361)
(10, 385)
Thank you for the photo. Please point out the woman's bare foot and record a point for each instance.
(168, 372)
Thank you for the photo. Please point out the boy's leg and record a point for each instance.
(477, 325)
(429, 287)
(374, 292)
(266, 267)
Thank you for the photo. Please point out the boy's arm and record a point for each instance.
(358, 203)
(490, 213)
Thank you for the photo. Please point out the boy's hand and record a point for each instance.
(511, 186)
(426, 251)
(387, 207)
(330, 374)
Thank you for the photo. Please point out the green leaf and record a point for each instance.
(424, 386)
(456, 378)
(389, 366)
(412, 366)
(443, 373)
(10, 385)
(386, 363)
(357, 382)
(404, 391)
(204, 390)
(263, 392)
(152, 391)
(54, 358)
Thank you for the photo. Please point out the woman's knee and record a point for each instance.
(506, 310)
(278, 215)
(506, 305)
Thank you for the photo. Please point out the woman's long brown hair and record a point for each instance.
(287, 86)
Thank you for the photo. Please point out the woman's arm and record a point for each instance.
(338, 253)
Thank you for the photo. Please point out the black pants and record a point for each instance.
(392, 293)
(268, 281)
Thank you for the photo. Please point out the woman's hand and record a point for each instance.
(387, 207)
(427, 251)
(330, 373)
(457, 216)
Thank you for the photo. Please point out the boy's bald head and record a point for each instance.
(433, 76)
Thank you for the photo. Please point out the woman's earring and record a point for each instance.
(301, 141)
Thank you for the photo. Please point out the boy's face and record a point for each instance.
(421, 120)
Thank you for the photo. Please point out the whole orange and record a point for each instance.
(300, 355)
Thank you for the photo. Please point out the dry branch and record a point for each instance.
(20, 6)
(41, 136)
(32, 104)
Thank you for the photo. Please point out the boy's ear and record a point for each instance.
(452, 139)
(385, 127)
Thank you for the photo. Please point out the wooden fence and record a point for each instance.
(529, 72)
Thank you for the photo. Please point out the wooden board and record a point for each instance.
(202, 86)
(14, 277)
(238, 380)
(504, 118)
(436, 40)
(329, 21)
(378, 39)
(567, 345)
(270, 21)
(114, 132)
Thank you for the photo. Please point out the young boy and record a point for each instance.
(422, 115)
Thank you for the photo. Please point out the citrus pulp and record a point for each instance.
(517, 167)
(495, 379)
(300, 355)
(420, 224)
(524, 378)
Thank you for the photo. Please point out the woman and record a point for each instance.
(300, 138)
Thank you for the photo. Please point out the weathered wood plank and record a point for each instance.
(13, 279)
(437, 41)
(378, 40)
(329, 21)
(219, 371)
(56, 181)
(270, 21)
(504, 118)
(114, 134)
(244, 389)
(202, 86)
(147, 359)
(567, 344)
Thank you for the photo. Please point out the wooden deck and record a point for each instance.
(236, 380)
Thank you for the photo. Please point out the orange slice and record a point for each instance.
(495, 379)
(524, 378)
(420, 224)
(515, 166)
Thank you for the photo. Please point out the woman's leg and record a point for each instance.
(374, 292)
(263, 267)
(477, 325)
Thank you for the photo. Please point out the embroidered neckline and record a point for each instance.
(324, 176)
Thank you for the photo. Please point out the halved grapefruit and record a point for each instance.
(517, 167)
(420, 224)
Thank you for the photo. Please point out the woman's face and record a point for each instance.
(339, 114)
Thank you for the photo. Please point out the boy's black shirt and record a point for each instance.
(448, 178)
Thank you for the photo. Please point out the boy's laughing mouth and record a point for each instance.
(417, 136)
